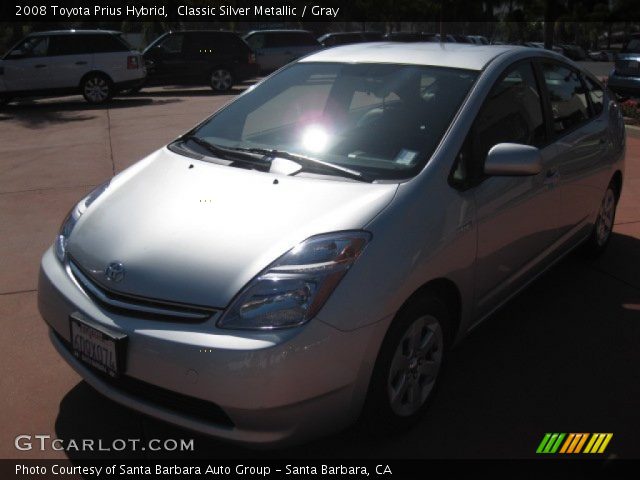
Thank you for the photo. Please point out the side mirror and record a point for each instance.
(513, 159)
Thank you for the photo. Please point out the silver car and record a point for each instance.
(309, 254)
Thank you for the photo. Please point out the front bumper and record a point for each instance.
(275, 387)
(624, 84)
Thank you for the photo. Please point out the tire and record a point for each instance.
(408, 366)
(597, 242)
(221, 80)
(97, 88)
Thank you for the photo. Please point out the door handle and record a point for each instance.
(40, 65)
(81, 63)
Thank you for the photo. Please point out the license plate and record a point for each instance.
(633, 64)
(97, 346)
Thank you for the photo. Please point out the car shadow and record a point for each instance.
(560, 357)
(36, 113)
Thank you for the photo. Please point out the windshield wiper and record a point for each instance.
(234, 155)
(305, 161)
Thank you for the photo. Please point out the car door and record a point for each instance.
(26, 65)
(70, 58)
(580, 135)
(515, 215)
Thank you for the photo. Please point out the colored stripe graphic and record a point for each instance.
(550, 443)
(573, 443)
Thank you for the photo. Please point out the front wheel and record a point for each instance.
(408, 366)
(601, 233)
(96, 88)
(221, 80)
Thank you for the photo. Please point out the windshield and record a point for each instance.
(384, 120)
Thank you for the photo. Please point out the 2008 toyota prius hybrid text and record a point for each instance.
(307, 255)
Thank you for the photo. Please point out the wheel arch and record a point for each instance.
(93, 72)
(446, 290)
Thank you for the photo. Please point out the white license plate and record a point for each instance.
(97, 346)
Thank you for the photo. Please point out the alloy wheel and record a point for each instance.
(221, 80)
(96, 89)
(415, 366)
(604, 222)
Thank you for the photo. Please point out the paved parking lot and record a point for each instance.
(563, 356)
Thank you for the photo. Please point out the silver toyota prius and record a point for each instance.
(308, 254)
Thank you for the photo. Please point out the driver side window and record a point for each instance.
(512, 113)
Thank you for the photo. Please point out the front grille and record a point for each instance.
(161, 397)
(138, 307)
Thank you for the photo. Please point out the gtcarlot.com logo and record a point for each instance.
(572, 443)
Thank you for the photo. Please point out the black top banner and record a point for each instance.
(314, 11)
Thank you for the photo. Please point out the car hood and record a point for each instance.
(195, 232)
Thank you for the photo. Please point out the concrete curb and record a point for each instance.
(633, 130)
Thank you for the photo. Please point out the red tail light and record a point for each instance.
(252, 58)
(132, 62)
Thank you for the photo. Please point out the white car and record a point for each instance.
(276, 48)
(96, 63)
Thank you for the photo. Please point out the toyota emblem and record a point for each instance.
(115, 272)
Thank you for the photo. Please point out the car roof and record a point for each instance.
(73, 31)
(455, 55)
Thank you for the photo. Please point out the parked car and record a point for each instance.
(200, 57)
(602, 55)
(276, 48)
(96, 63)
(345, 38)
(411, 37)
(310, 252)
(625, 77)
(478, 39)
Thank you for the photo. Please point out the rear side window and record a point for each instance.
(596, 95)
(70, 44)
(568, 97)
(107, 43)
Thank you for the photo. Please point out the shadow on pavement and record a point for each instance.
(563, 356)
(35, 114)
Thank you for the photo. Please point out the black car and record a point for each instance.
(345, 38)
(216, 58)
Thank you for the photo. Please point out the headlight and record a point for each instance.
(72, 218)
(293, 288)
